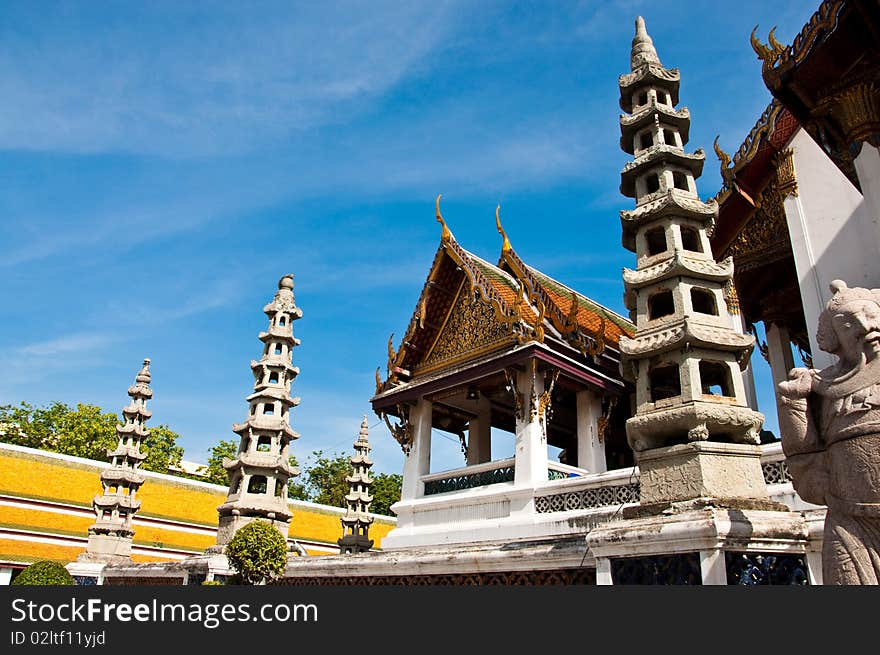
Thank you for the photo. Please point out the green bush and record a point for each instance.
(44, 573)
(212, 583)
(258, 553)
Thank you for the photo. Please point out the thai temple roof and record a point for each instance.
(526, 305)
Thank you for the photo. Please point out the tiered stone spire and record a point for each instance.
(357, 519)
(259, 473)
(111, 534)
(686, 357)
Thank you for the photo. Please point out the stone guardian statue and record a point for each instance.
(830, 425)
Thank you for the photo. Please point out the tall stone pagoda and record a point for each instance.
(704, 516)
(111, 534)
(687, 356)
(357, 519)
(258, 475)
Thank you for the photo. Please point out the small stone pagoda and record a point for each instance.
(687, 353)
(258, 475)
(704, 515)
(111, 534)
(357, 519)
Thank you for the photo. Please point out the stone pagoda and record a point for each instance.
(357, 519)
(687, 354)
(111, 534)
(704, 516)
(258, 475)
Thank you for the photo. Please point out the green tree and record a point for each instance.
(386, 492)
(257, 553)
(324, 480)
(87, 431)
(226, 449)
(46, 572)
(162, 449)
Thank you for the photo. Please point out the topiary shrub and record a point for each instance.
(258, 553)
(44, 573)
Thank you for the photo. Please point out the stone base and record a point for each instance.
(354, 544)
(699, 470)
(107, 548)
(229, 524)
(694, 421)
(711, 545)
(87, 571)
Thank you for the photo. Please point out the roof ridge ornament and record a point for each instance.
(768, 54)
(725, 167)
(505, 245)
(446, 235)
(643, 50)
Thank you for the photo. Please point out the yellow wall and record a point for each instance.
(27, 474)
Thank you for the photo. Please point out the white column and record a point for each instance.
(712, 567)
(480, 434)
(738, 322)
(779, 352)
(5, 576)
(814, 567)
(590, 450)
(531, 444)
(418, 461)
(603, 571)
(868, 171)
(812, 296)
(834, 234)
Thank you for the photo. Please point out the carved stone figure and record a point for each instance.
(830, 424)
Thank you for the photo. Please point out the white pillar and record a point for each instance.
(531, 443)
(738, 322)
(590, 450)
(5, 576)
(812, 295)
(868, 171)
(814, 567)
(834, 232)
(479, 448)
(418, 461)
(712, 567)
(603, 571)
(779, 352)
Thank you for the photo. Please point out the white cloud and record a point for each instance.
(162, 81)
(71, 344)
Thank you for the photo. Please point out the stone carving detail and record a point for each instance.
(830, 425)
(472, 325)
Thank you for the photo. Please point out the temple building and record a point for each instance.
(504, 347)
(258, 475)
(801, 194)
(633, 449)
(357, 520)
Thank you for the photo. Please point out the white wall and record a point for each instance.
(833, 235)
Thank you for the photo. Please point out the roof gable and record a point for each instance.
(469, 308)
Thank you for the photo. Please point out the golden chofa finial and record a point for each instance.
(767, 54)
(505, 246)
(724, 158)
(446, 235)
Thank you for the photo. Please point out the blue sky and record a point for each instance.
(163, 164)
